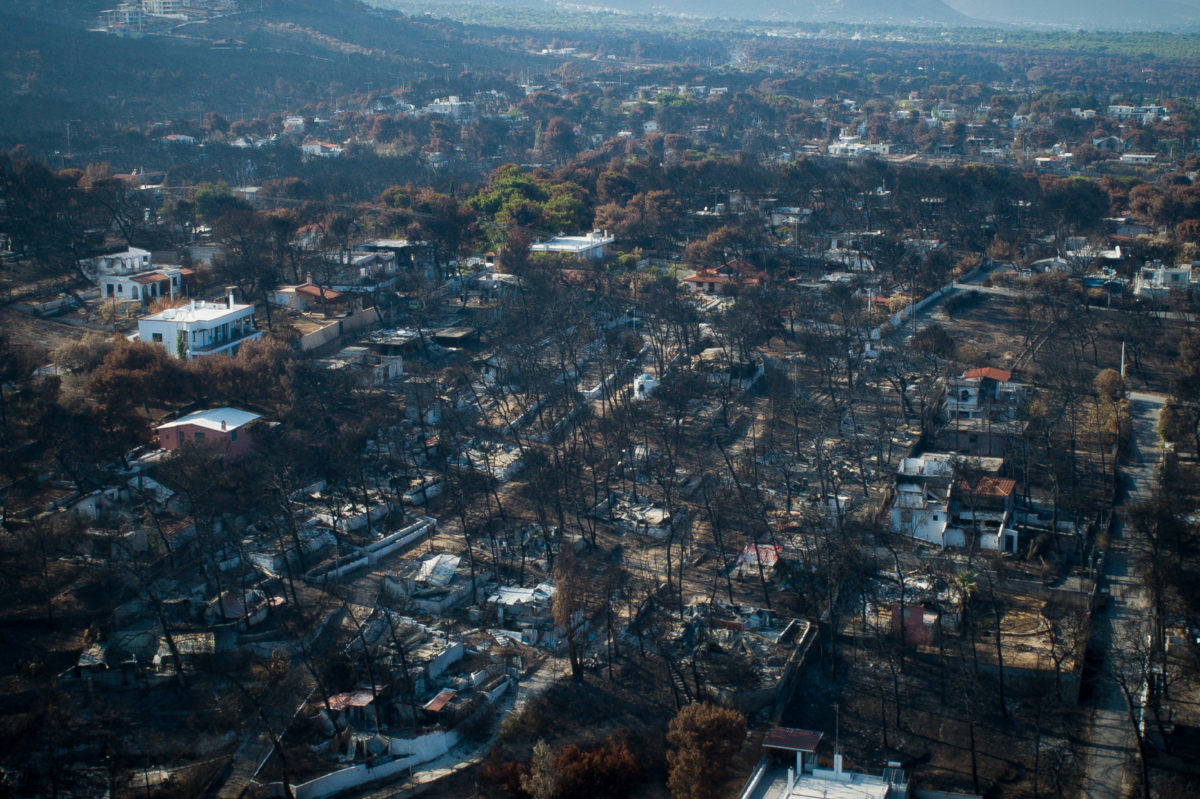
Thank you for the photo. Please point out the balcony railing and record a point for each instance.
(218, 344)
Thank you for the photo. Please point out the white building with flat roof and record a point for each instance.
(162, 8)
(201, 328)
(789, 770)
(592, 245)
(1157, 282)
(452, 106)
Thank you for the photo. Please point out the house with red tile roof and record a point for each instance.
(725, 279)
(985, 392)
(955, 501)
(308, 296)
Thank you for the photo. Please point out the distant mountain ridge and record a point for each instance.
(1093, 15)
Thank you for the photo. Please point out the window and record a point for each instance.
(157, 337)
(906, 517)
(120, 289)
(233, 435)
(199, 436)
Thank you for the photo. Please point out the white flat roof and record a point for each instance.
(197, 312)
(397, 243)
(572, 243)
(823, 784)
(848, 785)
(131, 251)
(214, 419)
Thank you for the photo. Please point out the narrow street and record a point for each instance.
(1110, 747)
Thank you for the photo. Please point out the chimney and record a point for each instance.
(229, 291)
(224, 426)
(837, 765)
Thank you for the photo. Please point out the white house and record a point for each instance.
(130, 262)
(945, 113)
(643, 386)
(1147, 114)
(452, 106)
(922, 505)
(592, 245)
(129, 275)
(981, 392)
(1156, 281)
(144, 287)
(949, 501)
(162, 8)
(201, 328)
(321, 149)
(789, 769)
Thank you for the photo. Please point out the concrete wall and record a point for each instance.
(320, 336)
(337, 327)
(1078, 600)
(451, 655)
(755, 778)
(408, 753)
(378, 549)
(51, 307)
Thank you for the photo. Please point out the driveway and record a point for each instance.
(1110, 746)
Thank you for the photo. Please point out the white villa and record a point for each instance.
(592, 245)
(1156, 281)
(201, 328)
(129, 262)
(129, 275)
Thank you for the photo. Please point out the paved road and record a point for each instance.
(1110, 749)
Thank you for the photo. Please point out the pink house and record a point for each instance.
(229, 426)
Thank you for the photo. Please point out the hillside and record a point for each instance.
(56, 70)
(1099, 15)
